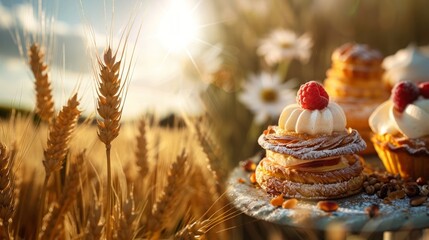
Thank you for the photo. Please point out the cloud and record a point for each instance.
(6, 18)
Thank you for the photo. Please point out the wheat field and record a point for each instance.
(63, 176)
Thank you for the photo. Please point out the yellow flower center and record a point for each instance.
(286, 45)
(268, 95)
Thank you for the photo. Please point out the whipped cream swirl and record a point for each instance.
(413, 122)
(325, 121)
(409, 64)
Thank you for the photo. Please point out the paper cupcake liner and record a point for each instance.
(400, 161)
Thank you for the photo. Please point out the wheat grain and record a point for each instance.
(44, 99)
(6, 193)
(60, 133)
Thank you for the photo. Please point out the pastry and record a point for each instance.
(410, 64)
(354, 81)
(310, 154)
(401, 130)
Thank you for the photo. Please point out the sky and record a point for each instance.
(165, 37)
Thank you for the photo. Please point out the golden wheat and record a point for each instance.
(109, 108)
(170, 197)
(7, 195)
(44, 99)
(60, 133)
(141, 151)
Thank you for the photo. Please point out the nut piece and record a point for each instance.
(290, 203)
(421, 181)
(327, 206)
(417, 201)
(252, 178)
(240, 180)
(277, 201)
(411, 189)
(373, 210)
(249, 166)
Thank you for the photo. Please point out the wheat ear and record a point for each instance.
(141, 151)
(68, 197)
(44, 99)
(7, 196)
(60, 132)
(170, 197)
(109, 107)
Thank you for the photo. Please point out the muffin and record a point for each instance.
(410, 64)
(310, 154)
(354, 81)
(401, 130)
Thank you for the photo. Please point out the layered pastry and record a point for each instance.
(410, 64)
(310, 154)
(355, 82)
(401, 130)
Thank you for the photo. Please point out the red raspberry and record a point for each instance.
(424, 89)
(404, 93)
(312, 96)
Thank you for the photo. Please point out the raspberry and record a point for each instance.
(404, 93)
(424, 89)
(312, 96)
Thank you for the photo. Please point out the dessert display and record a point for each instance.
(311, 154)
(410, 64)
(355, 82)
(401, 130)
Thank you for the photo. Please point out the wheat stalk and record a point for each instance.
(170, 197)
(69, 195)
(44, 99)
(60, 132)
(7, 197)
(109, 107)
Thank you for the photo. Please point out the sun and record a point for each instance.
(178, 26)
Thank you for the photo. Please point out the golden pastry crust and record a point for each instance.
(357, 54)
(308, 190)
(353, 168)
(304, 146)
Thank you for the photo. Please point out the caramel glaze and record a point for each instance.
(269, 167)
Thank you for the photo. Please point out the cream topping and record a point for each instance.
(409, 64)
(325, 121)
(413, 122)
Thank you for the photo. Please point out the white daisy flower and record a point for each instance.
(283, 45)
(266, 96)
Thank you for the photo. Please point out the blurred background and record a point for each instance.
(237, 61)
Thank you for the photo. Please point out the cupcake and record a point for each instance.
(401, 130)
(310, 154)
(410, 64)
(354, 81)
